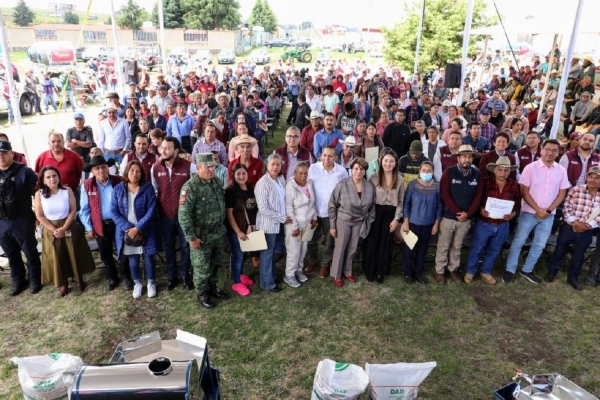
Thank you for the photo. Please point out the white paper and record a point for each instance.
(498, 208)
(308, 232)
(256, 242)
(409, 238)
(593, 215)
(371, 153)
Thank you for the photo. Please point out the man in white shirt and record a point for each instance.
(162, 100)
(313, 100)
(325, 175)
(113, 135)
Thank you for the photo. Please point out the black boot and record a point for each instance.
(35, 287)
(18, 287)
(218, 293)
(188, 283)
(205, 300)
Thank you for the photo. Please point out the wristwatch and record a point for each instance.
(548, 211)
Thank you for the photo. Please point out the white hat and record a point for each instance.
(217, 97)
(350, 141)
(447, 103)
(315, 115)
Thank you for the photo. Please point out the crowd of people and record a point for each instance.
(368, 159)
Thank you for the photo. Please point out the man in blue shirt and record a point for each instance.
(294, 89)
(327, 136)
(180, 126)
(96, 217)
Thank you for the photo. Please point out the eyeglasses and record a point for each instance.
(292, 137)
(550, 150)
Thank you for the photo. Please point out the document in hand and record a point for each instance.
(409, 238)
(256, 242)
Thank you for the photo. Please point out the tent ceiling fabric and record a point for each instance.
(540, 27)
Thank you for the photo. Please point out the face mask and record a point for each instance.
(426, 177)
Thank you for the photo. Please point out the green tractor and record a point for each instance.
(298, 53)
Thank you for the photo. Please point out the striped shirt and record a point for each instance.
(579, 204)
(271, 204)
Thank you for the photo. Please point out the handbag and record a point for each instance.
(134, 242)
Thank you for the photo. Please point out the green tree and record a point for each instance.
(212, 14)
(442, 37)
(71, 18)
(172, 14)
(131, 16)
(22, 14)
(154, 15)
(263, 15)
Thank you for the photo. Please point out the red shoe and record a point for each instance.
(338, 282)
(240, 289)
(349, 278)
(246, 281)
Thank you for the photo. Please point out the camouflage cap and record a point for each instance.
(205, 159)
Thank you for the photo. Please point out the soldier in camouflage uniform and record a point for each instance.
(202, 217)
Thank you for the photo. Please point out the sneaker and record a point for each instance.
(291, 280)
(530, 276)
(240, 289)
(151, 290)
(137, 290)
(508, 277)
(301, 277)
(488, 279)
(245, 279)
(468, 278)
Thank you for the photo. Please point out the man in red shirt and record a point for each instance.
(254, 165)
(207, 86)
(307, 138)
(68, 163)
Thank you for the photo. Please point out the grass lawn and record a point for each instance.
(267, 345)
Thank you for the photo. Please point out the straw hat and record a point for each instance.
(217, 97)
(194, 95)
(502, 162)
(245, 139)
(466, 149)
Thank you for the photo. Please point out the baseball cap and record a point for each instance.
(5, 146)
(143, 100)
(594, 170)
(575, 136)
(78, 116)
(498, 106)
(132, 84)
(485, 112)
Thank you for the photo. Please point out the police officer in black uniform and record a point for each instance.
(17, 221)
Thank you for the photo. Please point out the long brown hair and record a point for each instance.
(381, 174)
(239, 210)
(43, 187)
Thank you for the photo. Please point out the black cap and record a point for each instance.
(5, 146)
(112, 95)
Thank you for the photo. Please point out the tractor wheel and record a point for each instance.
(306, 57)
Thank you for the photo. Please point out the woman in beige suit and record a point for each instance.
(351, 212)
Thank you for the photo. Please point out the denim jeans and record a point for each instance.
(237, 256)
(169, 227)
(69, 95)
(489, 238)
(134, 266)
(117, 157)
(267, 261)
(527, 223)
(580, 241)
(49, 101)
(11, 116)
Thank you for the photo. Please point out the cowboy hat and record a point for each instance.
(97, 161)
(218, 97)
(194, 95)
(589, 58)
(349, 141)
(466, 149)
(472, 102)
(533, 106)
(315, 114)
(502, 162)
(263, 127)
(245, 139)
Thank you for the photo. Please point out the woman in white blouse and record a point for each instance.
(65, 252)
(270, 198)
(300, 207)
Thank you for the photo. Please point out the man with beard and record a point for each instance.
(461, 188)
(168, 175)
(578, 161)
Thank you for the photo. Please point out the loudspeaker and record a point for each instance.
(453, 74)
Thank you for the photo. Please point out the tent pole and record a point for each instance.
(419, 33)
(547, 79)
(14, 98)
(118, 65)
(565, 71)
(480, 77)
(163, 48)
(466, 39)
